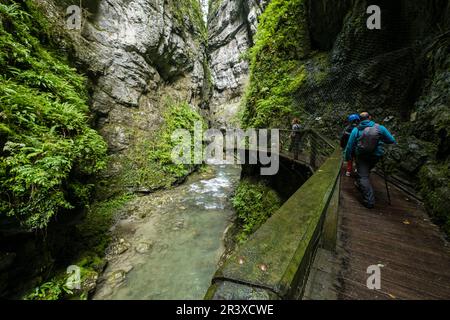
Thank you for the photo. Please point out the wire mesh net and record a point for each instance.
(375, 70)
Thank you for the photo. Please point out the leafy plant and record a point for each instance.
(254, 203)
(53, 290)
(47, 149)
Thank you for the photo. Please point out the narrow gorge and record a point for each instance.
(87, 117)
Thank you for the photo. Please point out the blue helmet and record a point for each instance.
(353, 118)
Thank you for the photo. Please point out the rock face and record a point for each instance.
(232, 25)
(399, 73)
(139, 55)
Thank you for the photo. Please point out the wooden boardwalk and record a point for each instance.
(412, 251)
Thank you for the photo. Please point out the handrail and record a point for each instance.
(312, 146)
(275, 262)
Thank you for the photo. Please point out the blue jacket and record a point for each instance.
(386, 138)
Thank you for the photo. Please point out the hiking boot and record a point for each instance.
(368, 205)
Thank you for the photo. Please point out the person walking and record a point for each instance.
(366, 143)
(296, 138)
(353, 122)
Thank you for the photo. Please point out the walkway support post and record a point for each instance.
(313, 160)
(383, 164)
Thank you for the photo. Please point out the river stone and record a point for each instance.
(127, 268)
(89, 282)
(119, 247)
(179, 225)
(143, 247)
(116, 278)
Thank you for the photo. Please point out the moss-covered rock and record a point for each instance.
(435, 185)
(277, 71)
(147, 165)
(48, 149)
(254, 203)
(399, 73)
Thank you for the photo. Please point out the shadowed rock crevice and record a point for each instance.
(232, 26)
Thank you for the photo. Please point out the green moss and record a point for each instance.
(57, 288)
(254, 203)
(276, 69)
(88, 242)
(214, 6)
(435, 190)
(192, 10)
(148, 164)
(207, 83)
(48, 150)
(93, 232)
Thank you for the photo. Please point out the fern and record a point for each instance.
(46, 144)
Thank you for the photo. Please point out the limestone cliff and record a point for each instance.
(139, 55)
(143, 59)
(231, 26)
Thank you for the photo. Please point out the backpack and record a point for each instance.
(368, 140)
(296, 130)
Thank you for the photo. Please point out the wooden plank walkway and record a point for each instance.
(401, 237)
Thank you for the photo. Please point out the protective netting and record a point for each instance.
(312, 148)
(375, 70)
(384, 81)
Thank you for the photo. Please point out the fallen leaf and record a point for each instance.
(406, 222)
(392, 296)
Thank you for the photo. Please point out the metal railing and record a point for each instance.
(308, 146)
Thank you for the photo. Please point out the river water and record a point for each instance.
(167, 245)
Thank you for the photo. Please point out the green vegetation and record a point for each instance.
(52, 290)
(58, 289)
(214, 6)
(89, 242)
(94, 230)
(435, 186)
(47, 149)
(254, 203)
(193, 10)
(149, 163)
(276, 70)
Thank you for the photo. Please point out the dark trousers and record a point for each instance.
(296, 146)
(364, 166)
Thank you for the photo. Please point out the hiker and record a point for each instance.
(366, 143)
(353, 122)
(296, 138)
